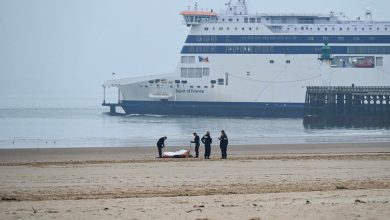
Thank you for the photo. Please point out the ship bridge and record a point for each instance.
(196, 17)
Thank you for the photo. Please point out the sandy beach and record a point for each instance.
(314, 181)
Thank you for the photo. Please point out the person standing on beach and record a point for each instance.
(223, 144)
(207, 140)
(161, 145)
(197, 144)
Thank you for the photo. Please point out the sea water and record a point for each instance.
(84, 123)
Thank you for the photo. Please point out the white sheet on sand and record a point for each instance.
(177, 153)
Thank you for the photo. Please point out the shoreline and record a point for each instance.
(143, 153)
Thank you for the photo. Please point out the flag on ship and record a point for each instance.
(203, 59)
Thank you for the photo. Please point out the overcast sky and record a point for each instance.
(69, 47)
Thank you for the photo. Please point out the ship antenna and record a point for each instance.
(196, 6)
(228, 3)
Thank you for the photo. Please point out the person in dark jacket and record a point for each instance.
(161, 145)
(207, 140)
(196, 141)
(223, 144)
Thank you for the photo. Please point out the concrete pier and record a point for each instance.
(350, 106)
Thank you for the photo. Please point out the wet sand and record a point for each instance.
(335, 181)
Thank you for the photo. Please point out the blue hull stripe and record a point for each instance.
(350, 39)
(283, 110)
(283, 49)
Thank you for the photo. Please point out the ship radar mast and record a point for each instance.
(239, 8)
(368, 14)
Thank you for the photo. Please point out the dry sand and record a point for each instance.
(263, 182)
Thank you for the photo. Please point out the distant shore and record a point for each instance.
(311, 181)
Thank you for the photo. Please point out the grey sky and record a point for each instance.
(69, 47)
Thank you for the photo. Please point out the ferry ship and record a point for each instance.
(234, 63)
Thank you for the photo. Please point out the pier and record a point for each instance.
(347, 106)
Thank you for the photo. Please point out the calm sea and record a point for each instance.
(49, 122)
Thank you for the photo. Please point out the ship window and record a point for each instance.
(257, 28)
(245, 20)
(236, 28)
(184, 72)
(141, 86)
(191, 87)
(377, 29)
(191, 72)
(271, 61)
(221, 81)
(206, 71)
(341, 29)
(191, 59)
(146, 86)
(198, 87)
(288, 61)
(151, 81)
(230, 19)
(250, 28)
(370, 29)
(227, 28)
(252, 20)
(177, 81)
(206, 28)
(206, 87)
(238, 19)
(326, 29)
(212, 86)
(347, 29)
(213, 28)
(198, 73)
(223, 19)
(318, 29)
(171, 86)
(221, 28)
(379, 61)
(243, 29)
(213, 82)
(258, 20)
(362, 29)
(184, 81)
(184, 59)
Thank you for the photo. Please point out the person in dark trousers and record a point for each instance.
(223, 144)
(207, 140)
(161, 145)
(196, 141)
